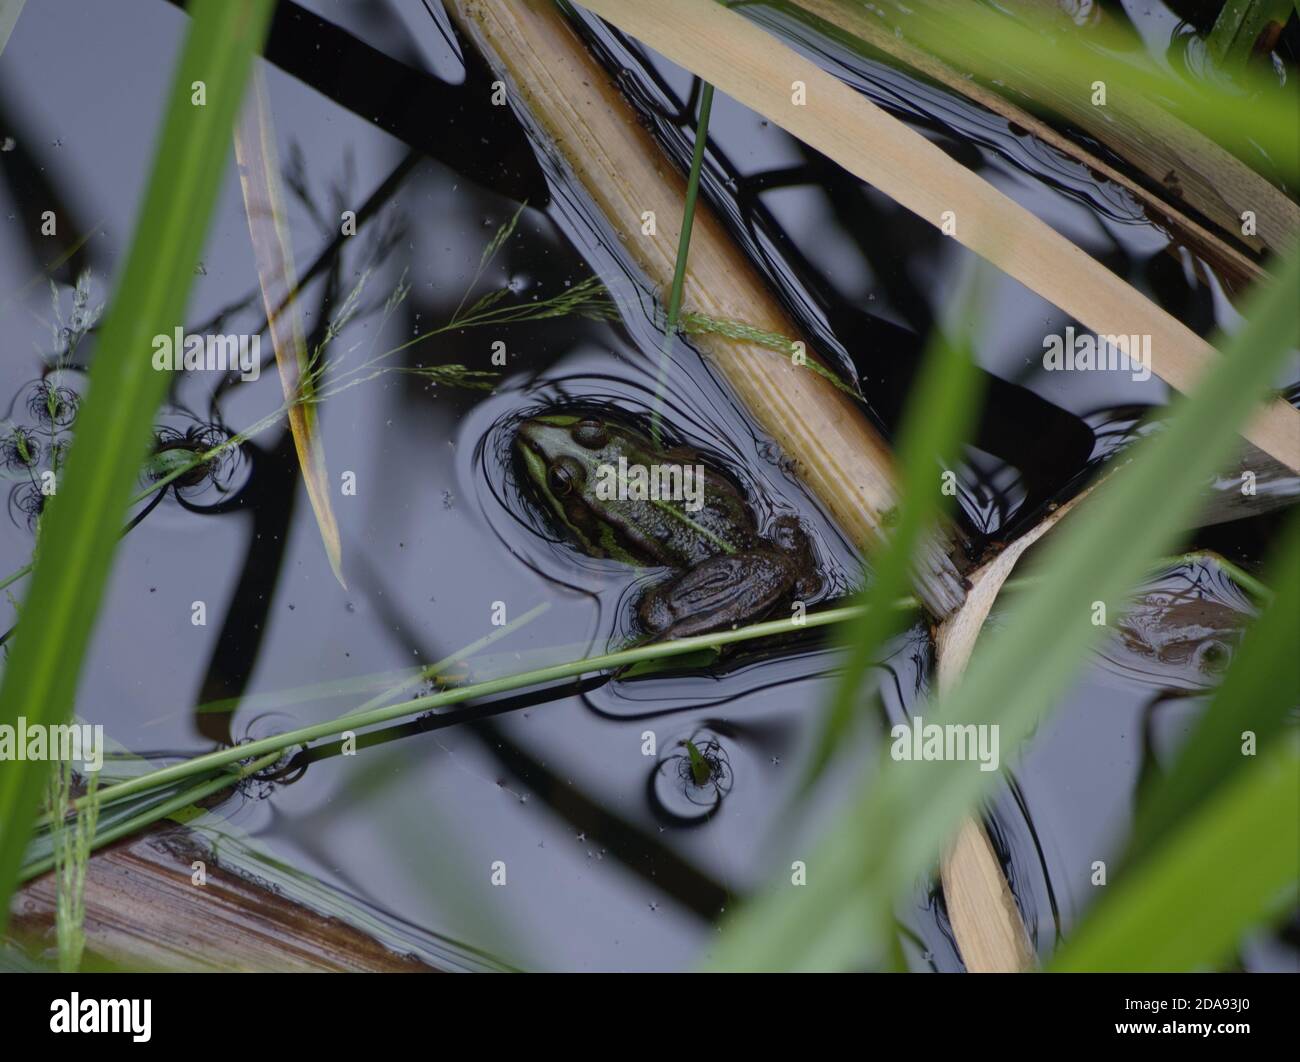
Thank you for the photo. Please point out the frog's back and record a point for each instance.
(673, 532)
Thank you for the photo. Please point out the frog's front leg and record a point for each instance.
(721, 592)
(788, 535)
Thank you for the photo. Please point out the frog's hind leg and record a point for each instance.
(721, 592)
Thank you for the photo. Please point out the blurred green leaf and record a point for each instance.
(78, 534)
(1226, 869)
(940, 414)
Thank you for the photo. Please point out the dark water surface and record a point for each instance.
(614, 861)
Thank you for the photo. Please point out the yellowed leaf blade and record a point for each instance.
(259, 177)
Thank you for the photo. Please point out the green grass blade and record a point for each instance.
(1229, 868)
(683, 250)
(79, 531)
(895, 830)
(1258, 692)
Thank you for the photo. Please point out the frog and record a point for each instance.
(1196, 631)
(723, 572)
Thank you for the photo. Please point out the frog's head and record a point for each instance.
(562, 455)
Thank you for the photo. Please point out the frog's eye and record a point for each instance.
(564, 475)
(1212, 657)
(590, 433)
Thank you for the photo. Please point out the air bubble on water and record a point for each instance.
(8, 144)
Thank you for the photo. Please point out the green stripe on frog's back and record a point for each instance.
(657, 532)
(680, 514)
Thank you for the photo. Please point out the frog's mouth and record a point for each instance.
(526, 446)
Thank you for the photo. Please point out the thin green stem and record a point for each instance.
(14, 576)
(411, 681)
(683, 249)
(355, 720)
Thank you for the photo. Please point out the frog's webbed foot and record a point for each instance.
(721, 592)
